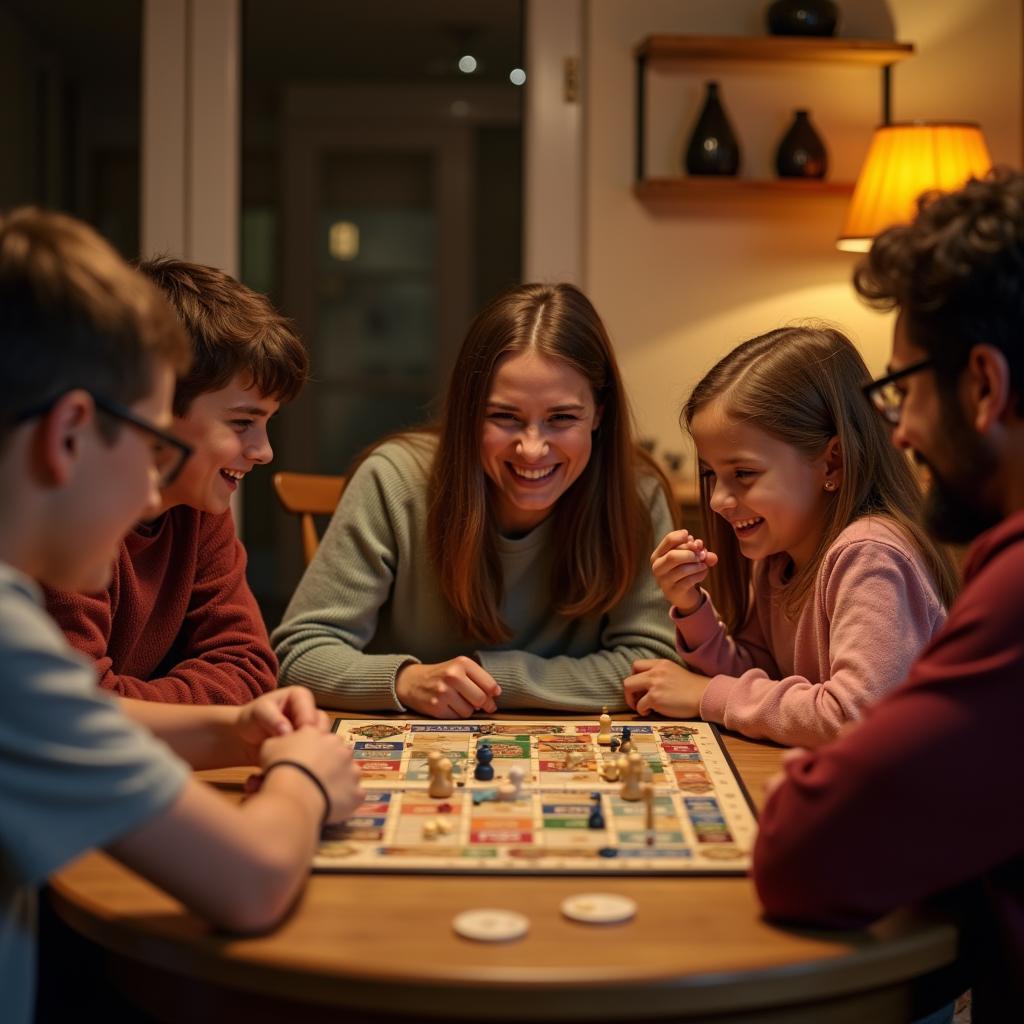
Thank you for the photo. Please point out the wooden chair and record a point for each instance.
(307, 495)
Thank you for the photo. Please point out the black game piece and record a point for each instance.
(484, 755)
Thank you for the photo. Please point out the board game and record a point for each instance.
(696, 818)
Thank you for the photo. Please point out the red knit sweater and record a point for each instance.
(924, 796)
(178, 622)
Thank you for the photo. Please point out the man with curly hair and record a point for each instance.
(917, 801)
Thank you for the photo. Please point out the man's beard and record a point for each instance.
(954, 511)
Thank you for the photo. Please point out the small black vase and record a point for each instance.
(713, 148)
(801, 153)
(802, 18)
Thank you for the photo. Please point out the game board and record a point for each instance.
(703, 822)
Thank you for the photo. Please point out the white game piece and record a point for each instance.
(573, 759)
(507, 793)
(631, 768)
(610, 769)
(598, 908)
(604, 733)
(490, 925)
(444, 826)
(429, 828)
(516, 774)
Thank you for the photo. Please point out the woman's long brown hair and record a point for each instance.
(802, 385)
(601, 521)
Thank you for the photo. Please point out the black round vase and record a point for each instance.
(801, 153)
(802, 18)
(712, 148)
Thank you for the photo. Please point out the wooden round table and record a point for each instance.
(381, 948)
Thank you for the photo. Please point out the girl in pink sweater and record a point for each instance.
(832, 587)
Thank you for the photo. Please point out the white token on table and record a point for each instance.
(491, 925)
(598, 908)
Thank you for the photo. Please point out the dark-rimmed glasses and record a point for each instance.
(886, 397)
(170, 453)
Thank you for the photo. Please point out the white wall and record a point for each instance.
(678, 290)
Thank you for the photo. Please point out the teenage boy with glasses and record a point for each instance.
(178, 621)
(921, 799)
(80, 768)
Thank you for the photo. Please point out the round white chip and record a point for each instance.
(598, 908)
(489, 925)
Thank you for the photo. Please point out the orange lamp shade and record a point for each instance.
(904, 161)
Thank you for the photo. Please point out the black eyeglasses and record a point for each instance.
(886, 397)
(169, 452)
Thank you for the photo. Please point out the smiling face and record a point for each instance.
(961, 464)
(772, 496)
(536, 441)
(228, 430)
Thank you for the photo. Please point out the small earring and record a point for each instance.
(830, 485)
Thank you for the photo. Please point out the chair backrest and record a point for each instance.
(307, 495)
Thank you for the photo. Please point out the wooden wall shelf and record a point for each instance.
(665, 48)
(658, 190)
(661, 51)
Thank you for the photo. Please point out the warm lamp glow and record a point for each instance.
(905, 160)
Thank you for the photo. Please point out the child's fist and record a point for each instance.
(680, 563)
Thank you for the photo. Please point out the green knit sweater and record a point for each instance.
(369, 603)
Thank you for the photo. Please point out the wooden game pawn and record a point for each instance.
(604, 733)
(611, 769)
(441, 785)
(632, 775)
(648, 792)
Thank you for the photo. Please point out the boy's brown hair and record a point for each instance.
(234, 331)
(73, 314)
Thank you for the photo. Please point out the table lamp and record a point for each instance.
(903, 161)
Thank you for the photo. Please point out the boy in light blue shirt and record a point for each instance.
(88, 353)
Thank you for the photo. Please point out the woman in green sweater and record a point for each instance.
(499, 559)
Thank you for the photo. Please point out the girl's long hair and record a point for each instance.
(601, 521)
(802, 385)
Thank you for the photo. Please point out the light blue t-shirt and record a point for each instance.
(75, 773)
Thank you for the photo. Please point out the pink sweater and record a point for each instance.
(872, 609)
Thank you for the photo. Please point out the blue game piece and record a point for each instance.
(596, 819)
(607, 851)
(484, 755)
(614, 744)
(627, 734)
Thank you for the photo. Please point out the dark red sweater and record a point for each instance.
(926, 795)
(178, 622)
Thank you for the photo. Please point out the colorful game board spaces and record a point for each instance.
(379, 759)
(367, 824)
(684, 757)
(561, 755)
(707, 819)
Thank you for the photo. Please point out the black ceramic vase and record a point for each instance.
(713, 148)
(802, 18)
(801, 153)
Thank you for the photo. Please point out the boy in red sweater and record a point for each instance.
(920, 799)
(178, 622)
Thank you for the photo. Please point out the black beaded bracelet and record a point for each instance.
(311, 775)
